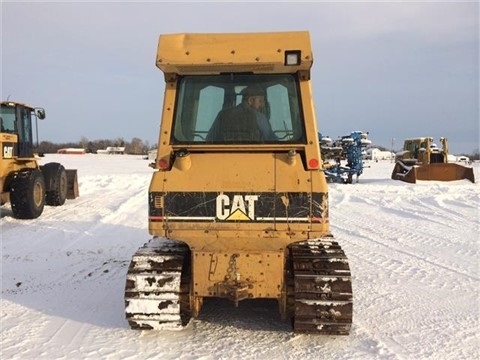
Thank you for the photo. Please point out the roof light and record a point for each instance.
(292, 57)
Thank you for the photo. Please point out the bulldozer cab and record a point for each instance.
(211, 124)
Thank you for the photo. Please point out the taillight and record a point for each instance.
(313, 163)
(163, 164)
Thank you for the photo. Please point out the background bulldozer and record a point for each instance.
(23, 182)
(421, 159)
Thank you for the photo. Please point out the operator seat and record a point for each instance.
(237, 124)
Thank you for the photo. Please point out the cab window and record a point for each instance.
(204, 102)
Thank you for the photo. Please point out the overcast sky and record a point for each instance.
(396, 70)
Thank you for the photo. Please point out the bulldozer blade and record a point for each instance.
(433, 172)
(72, 184)
(404, 172)
(444, 172)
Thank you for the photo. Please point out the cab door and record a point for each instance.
(24, 128)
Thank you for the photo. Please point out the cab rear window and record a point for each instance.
(232, 108)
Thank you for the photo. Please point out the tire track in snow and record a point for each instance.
(80, 254)
(397, 248)
(391, 227)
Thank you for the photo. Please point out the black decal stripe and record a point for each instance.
(202, 206)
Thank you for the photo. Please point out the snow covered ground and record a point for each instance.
(413, 250)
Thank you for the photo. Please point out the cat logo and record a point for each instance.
(7, 152)
(240, 208)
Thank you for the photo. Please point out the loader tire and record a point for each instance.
(27, 194)
(56, 183)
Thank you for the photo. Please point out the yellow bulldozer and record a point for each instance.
(238, 204)
(422, 159)
(24, 183)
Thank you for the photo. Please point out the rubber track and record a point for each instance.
(323, 300)
(156, 293)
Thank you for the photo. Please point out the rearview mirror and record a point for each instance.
(40, 113)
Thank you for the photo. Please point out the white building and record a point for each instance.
(112, 150)
(462, 158)
(377, 154)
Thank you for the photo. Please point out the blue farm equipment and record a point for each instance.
(349, 148)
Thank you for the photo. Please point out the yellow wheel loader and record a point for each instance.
(238, 204)
(422, 159)
(25, 184)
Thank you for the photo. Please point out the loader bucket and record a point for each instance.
(72, 184)
(436, 172)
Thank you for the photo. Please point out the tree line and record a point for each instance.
(139, 147)
(134, 147)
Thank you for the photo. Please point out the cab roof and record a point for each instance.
(15, 103)
(214, 53)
